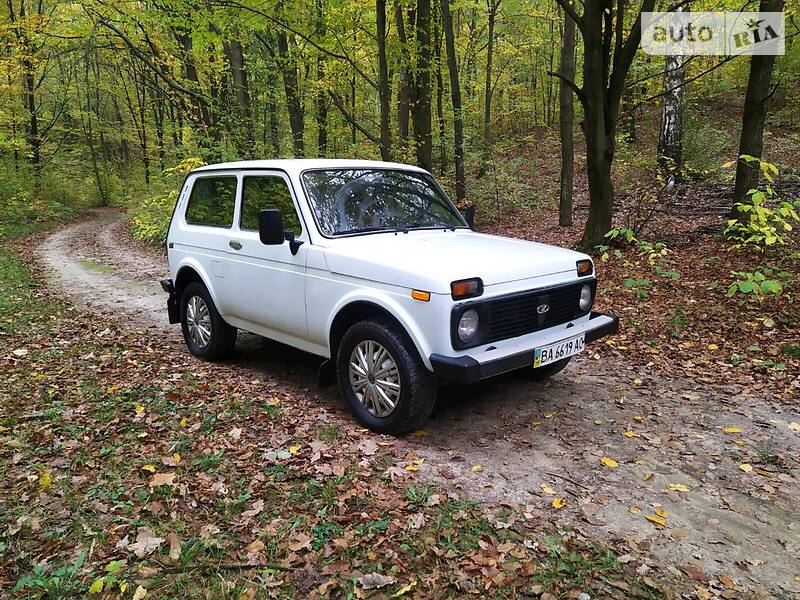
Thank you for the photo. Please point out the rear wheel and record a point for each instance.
(206, 334)
(383, 379)
(548, 371)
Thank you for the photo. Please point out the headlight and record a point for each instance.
(585, 303)
(468, 326)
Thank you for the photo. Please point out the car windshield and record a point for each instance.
(349, 201)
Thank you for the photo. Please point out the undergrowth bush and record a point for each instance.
(150, 217)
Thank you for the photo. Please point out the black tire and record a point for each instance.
(417, 383)
(548, 371)
(223, 336)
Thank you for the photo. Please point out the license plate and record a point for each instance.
(549, 354)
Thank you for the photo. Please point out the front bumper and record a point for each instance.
(469, 369)
(173, 309)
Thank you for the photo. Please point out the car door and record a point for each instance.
(266, 285)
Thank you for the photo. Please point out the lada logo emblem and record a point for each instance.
(542, 308)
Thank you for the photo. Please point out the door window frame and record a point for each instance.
(236, 195)
(237, 225)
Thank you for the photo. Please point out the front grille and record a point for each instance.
(517, 315)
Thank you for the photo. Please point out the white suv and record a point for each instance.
(369, 264)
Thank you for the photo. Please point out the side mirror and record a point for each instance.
(469, 215)
(270, 227)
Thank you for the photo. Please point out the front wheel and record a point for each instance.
(206, 334)
(383, 379)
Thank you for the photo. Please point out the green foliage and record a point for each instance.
(640, 287)
(765, 220)
(54, 581)
(150, 218)
(652, 250)
(758, 284)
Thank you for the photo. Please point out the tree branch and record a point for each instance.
(350, 119)
(571, 84)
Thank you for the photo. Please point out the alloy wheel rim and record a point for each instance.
(374, 378)
(198, 320)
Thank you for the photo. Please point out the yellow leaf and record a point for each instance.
(139, 409)
(630, 434)
(677, 487)
(176, 457)
(598, 421)
(794, 426)
(609, 462)
(405, 589)
(558, 503)
(97, 585)
(657, 521)
(638, 418)
(419, 433)
(536, 423)
(411, 468)
(647, 476)
(123, 585)
(149, 467)
(183, 422)
(640, 462)
(732, 430)
(549, 415)
(547, 489)
(745, 467)
(112, 388)
(634, 510)
(139, 593)
(637, 381)
(294, 449)
(45, 480)
(713, 347)
(728, 164)
(477, 468)
(662, 513)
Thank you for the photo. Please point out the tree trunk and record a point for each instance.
(455, 97)
(404, 87)
(566, 117)
(421, 113)
(384, 90)
(670, 138)
(493, 5)
(322, 97)
(235, 56)
(439, 91)
(293, 102)
(751, 141)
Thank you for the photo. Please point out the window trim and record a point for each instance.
(245, 174)
(226, 175)
(357, 168)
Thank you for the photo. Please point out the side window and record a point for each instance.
(259, 193)
(212, 201)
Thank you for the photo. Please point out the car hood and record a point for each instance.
(430, 260)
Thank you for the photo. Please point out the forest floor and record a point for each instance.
(656, 444)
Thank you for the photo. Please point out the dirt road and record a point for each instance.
(617, 444)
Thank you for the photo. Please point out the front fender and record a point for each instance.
(392, 304)
(190, 262)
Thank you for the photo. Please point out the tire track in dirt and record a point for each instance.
(525, 435)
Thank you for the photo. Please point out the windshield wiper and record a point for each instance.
(363, 230)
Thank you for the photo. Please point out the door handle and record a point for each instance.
(235, 245)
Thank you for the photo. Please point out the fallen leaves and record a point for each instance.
(609, 462)
(477, 468)
(174, 546)
(162, 479)
(547, 489)
(146, 542)
(732, 430)
(745, 467)
(677, 487)
(375, 581)
(558, 503)
(794, 426)
(299, 541)
(657, 521)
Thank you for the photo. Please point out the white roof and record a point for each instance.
(295, 166)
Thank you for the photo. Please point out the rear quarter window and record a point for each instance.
(211, 201)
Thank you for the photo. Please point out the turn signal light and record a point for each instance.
(421, 296)
(466, 288)
(584, 268)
